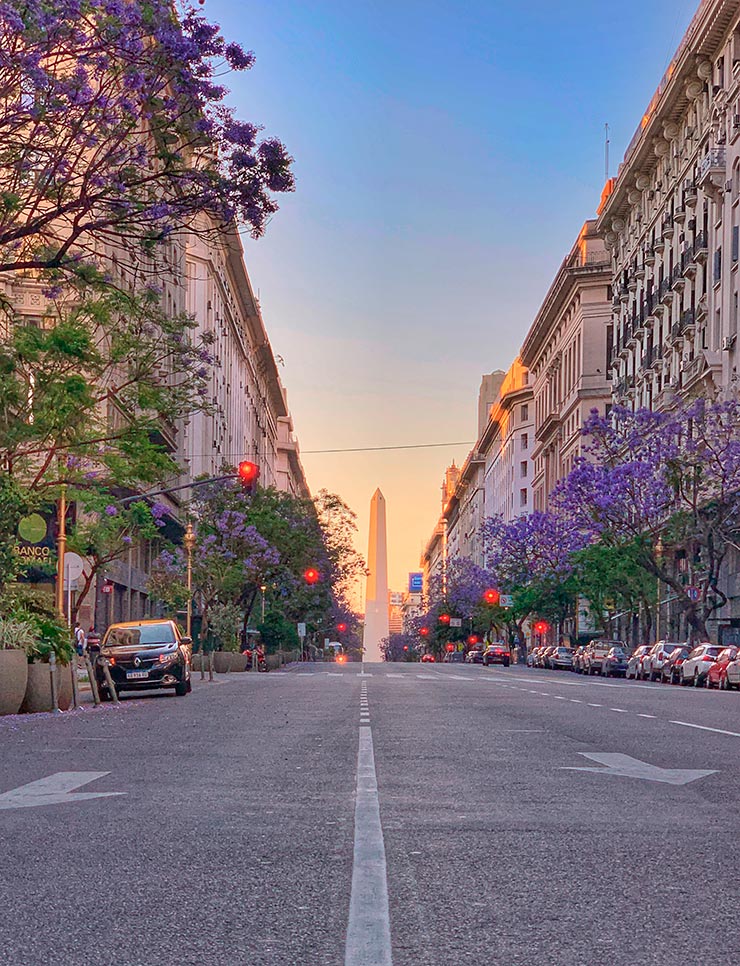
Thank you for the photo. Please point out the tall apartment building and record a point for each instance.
(568, 354)
(671, 220)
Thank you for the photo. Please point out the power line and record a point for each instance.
(353, 449)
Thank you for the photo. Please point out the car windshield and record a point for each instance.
(713, 651)
(140, 634)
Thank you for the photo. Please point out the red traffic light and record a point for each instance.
(341, 628)
(450, 647)
(311, 576)
(541, 627)
(424, 631)
(248, 473)
(473, 639)
(491, 596)
(444, 618)
(405, 647)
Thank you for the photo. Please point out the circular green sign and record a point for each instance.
(33, 528)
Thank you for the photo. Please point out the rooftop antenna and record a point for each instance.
(606, 151)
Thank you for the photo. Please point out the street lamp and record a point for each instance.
(263, 588)
(61, 547)
(189, 541)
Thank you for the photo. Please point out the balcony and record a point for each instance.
(665, 292)
(679, 215)
(649, 257)
(712, 170)
(659, 245)
(691, 195)
(701, 247)
(678, 279)
(687, 323)
(667, 228)
(692, 371)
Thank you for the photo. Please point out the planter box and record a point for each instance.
(221, 662)
(13, 680)
(38, 688)
(237, 662)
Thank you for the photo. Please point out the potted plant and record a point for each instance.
(52, 636)
(17, 640)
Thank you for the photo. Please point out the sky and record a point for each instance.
(446, 156)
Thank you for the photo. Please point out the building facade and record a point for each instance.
(567, 352)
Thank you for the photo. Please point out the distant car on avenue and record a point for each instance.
(497, 654)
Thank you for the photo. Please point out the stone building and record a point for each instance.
(567, 352)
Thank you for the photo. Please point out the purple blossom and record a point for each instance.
(111, 510)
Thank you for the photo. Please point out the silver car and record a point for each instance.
(634, 665)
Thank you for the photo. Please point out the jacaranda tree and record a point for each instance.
(114, 132)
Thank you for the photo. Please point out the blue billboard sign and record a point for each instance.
(416, 583)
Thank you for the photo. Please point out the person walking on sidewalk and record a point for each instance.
(80, 641)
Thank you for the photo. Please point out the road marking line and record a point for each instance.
(645, 715)
(559, 697)
(717, 731)
(368, 930)
(619, 710)
(575, 701)
(595, 705)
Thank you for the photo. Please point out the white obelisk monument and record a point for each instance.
(376, 598)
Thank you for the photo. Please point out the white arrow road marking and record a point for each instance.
(54, 790)
(629, 767)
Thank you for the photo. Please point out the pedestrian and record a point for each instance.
(80, 641)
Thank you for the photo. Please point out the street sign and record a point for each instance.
(456, 622)
(74, 565)
(506, 600)
(56, 789)
(693, 593)
(301, 630)
(628, 767)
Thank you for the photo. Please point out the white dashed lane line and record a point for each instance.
(717, 731)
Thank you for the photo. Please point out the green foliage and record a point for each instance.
(17, 634)
(278, 632)
(225, 622)
(13, 505)
(45, 633)
(613, 577)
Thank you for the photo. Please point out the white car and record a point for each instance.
(695, 668)
(655, 659)
(634, 665)
(732, 677)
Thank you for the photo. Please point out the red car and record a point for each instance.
(718, 670)
(427, 659)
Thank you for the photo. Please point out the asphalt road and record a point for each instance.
(235, 832)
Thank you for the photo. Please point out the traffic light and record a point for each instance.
(473, 639)
(341, 628)
(424, 631)
(541, 627)
(311, 576)
(450, 647)
(248, 474)
(444, 618)
(492, 597)
(405, 647)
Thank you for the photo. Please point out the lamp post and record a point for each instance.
(263, 588)
(189, 541)
(61, 547)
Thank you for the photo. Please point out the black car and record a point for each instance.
(497, 654)
(671, 670)
(144, 655)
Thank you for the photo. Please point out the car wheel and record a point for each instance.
(505, 663)
(697, 682)
(181, 688)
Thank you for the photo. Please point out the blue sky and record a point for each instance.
(446, 156)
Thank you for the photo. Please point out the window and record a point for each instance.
(525, 436)
(735, 243)
(523, 497)
(718, 265)
(525, 413)
(523, 468)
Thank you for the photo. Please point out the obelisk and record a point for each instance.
(376, 598)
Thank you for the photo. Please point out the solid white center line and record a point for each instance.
(717, 731)
(369, 929)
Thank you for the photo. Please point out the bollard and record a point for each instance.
(73, 670)
(202, 665)
(53, 678)
(210, 665)
(93, 680)
(109, 681)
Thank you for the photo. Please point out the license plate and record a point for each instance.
(131, 675)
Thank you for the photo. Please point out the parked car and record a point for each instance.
(453, 657)
(497, 654)
(615, 663)
(560, 657)
(695, 668)
(634, 664)
(672, 667)
(656, 657)
(732, 677)
(143, 655)
(427, 659)
(578, 654)
(475, 655)
(544, 655)
(595, 655)
(718, 671)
